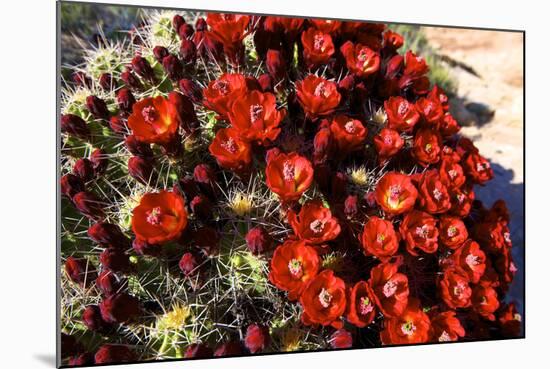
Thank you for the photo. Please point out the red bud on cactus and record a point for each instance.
(130, 80)
(185, 31)
(80, 271)
(85, 359)
(125, 100)
(258, 240)
(322, 143)
(341, 339)
(88, 204)
(74, 126)
(257, 338)
(138, 148)
(172, 66)
(143, 248)
(185, 109)
(189, 263)
(271, 154)
(191, 90)
(108, 235)
(106, 81)
(198, 350)
(160, 52)
(115, 260)
(351, 206)
(100, 161)
(177, 22)
(119, 308)
(97, 107)
(118, 124)
(92, 319)
(203, 174)
(200, 24)
(140, 169)
(201, 207)
(231, 348)
(142, 68)
(266, 82)
(276, 64)
(71, 185)
(108, 354)
(84, 169)
(346, 84)
(81, 79)
(188, 51)
(108, 283)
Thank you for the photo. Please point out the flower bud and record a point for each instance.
(80, 271)
(142, 68)
(188, 51)
(341, 339)
(266, 82)
(177, 22)
(125, 100)
(203, 174)
(107, 82)
(172, 66)
(189, 263)
(276, 65)
(108, 283)
(185, 31)
(100, 161)
(115, 260)
(85, 359)
(118, 124)
(257, 338)
(191, 90)
(88, 204)
(271, 154)
(81, 79)
(351, 206)
(322, 143)
(137, 147)
(130, 80)
(74, 126)
(200, 24)
(91, 317)
(97, 107)
(160, 52)
(346, 84)
(110, 354)
(258, 240)
(185, 110)
(84, 169)
(140, 169)
(231, 348)
(201, 207)
(71, 185)
(143, 248)
(108, 235)
(119, 308)
(198, 350)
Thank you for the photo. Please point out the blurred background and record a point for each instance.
(482, 71)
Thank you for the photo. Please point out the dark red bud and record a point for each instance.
(118, 124)
(100, 161)
(111, 354)
(107, 82)
(115, 260)
(231, 348)
(74, 126)
(351, 206)
(109, 284)
(341, 339)
(85, 359)
(322, 143)
(140, 169)
(346, 84)
(80, 271)
(143, 248)
(130, 80)
(97, 107)
(108, 235)
(160, 52)
(81, 79)
(172, 66)
(88, 204)
(142, 68)
(258, 240)
(91, 317)
(125, 100)
(137, 147)
(201, 207)
(198, 350)
(257, 338)
(200, 24)
(271, 153)
(185, 110)
(191, 89)
(276, 65)
(266, 82)
(189, 264)
(188, 51)
(177, 22)
(203, 174)
(84, 169)
(71, 185)
(185, 31)
(119, 308)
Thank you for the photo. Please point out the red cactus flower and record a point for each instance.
(230, 151)
(510, 321)
(360, 59)
(189, 263)
(154, 120)
(318, 47)
(415, 69)
(412, 326)
(387, 142)
(427, 147)
(159, 217)
(289, 175)
(485, 300)
(391, 288)
(393, 40)
(314, 223)
(451, 173)
(433, 194)
(379, 238)
(324, 300)
(257, 338)
(317, 96)
(402, 115)
(229, 29)
(294, 263)
(471, 259)
(446, 327)
(341, 339)
(256, 118)
(477, 168)
(349, 134)
(361, 305)
(452, 231)
(419, 231)
(222, 92)
(430, 111)
(326, 25)
(455, 289)
(395, 193)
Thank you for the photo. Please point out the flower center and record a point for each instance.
(388, 140)
(325, 298)
(319, 42)
(506, 236)
(153, 216)
(402, 108)
(380, 237)
(256, 112)
(460, 197)
(408, 328)
(365, 306)
(149, 114)
(317, 226)
(422, 232)
(444, 337)
(295, 267)
(459, 289)
(321, 90)
(452, 173)
(437, 194)
(472, 260)
(395, 192)
(452, 231)
(482, 166)
(222, 86)
(428, 148)
(350, 127)
(229, 145)
(288, 170)
(389, 288)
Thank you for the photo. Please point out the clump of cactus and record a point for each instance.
(237, 184)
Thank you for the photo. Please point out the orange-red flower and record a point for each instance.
(379, 238)
(477, 168)
(395, 193)
(288, 175)
(455, 289)
(294, 263)
(433, 194)
(314, 223)
(228, 29)
(485, 300)
(154, 120)
(159, 218)
(388, 142)
(412, 326)
(360, 59)
(452, 231)
(427, 147)
(326, 25)
(256, 117)
(471, 259)
(318, 47)
(317, 96)
(402, 115)
(451, 173)
(391, 288)
(361, 305)
(349, 134)
(222, 92)
(324, 300)
(446, 327)
(230, 151)
(419, 231)
(430, 110)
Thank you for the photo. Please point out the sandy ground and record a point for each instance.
(497, 58)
